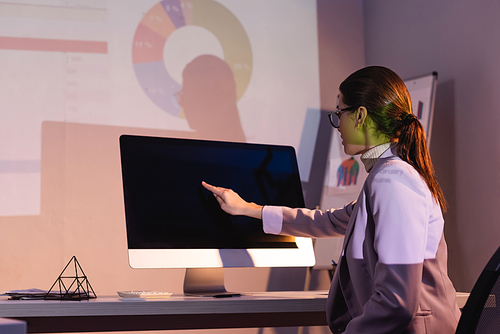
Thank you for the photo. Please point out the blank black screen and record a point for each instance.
(166, 207)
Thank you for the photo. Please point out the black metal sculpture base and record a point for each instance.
(71, 287)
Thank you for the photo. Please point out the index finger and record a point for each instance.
(211, 188)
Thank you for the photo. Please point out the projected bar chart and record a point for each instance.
(54, 45)
(80, 11)
(64, 45)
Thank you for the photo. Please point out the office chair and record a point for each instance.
(481, 313)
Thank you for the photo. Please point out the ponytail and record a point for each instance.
(385, 97)
(412, 148)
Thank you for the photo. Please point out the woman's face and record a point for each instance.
(351, 129)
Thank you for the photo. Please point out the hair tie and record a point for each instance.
(408, 118)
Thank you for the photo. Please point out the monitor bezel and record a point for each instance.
(302, 256)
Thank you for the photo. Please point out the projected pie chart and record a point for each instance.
(165, 18)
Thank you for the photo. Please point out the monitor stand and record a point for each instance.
(207, 282)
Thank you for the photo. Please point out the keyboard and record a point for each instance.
(144, 294)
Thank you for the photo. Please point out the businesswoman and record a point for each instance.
(392, 275)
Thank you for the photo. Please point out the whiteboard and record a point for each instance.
(335, 194)
(422, 93)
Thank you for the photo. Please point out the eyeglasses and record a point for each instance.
(334, 116)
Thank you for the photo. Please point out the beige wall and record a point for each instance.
(456, 39)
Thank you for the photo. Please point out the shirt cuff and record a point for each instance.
(272, 219)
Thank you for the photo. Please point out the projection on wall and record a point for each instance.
(228, 70)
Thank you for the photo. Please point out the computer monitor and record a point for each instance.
(174, 222)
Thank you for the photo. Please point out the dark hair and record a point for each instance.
(385, 97)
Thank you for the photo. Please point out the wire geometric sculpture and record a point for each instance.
(75, 287)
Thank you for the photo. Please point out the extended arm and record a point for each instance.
(283, 220)
(232, 203)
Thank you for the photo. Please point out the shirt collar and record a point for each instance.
(370, 157)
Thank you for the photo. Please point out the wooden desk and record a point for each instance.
(269, 309)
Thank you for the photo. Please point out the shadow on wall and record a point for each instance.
(208, 99)
(443, 141)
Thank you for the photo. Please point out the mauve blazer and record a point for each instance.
(392, 276)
